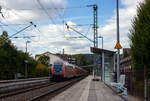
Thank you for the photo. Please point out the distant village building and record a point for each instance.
(57, 56)
(67, 57)
(52, 57)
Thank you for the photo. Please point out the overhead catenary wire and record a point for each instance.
(11, 24)
(21, 30)
(79, 33)
(45, 10)
(25, 24)
(50, 18)
(20, 24)
(24, 37)
(55, 8)
(61, 17)
(8, 26)
(39, 37)
(76, 25)
(2, 27)
(27, 9)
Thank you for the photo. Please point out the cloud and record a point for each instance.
(126, 15)
(129, 3)
(52, 39)
(20, 10)
(55, 37)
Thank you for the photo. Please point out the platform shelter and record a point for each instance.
(108, 63)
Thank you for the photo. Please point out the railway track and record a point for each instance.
(37, 93)
(22, 80)
(10, 85)
(55, 91)
(24, 94)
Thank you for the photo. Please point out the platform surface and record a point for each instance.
(88, 90)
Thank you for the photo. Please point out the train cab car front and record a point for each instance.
(57, 70)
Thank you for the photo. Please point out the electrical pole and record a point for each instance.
(118, 41)
(95, 26)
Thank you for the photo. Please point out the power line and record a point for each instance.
(61, 17)
(79, 33)
(82, 25)
(11, 24)
(51, 19)
(8, 26)
(45, 11)
(24, 37)
(20, 24)
(23, 9)
(21, 30)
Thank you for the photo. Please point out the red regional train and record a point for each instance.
(62, 69)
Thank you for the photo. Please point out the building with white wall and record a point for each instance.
(52, 57)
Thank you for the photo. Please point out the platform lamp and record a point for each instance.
(26, 61)
(103, 68)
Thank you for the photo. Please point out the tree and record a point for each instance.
(81, 60)
(43, 66)
(6, 58)
(125, 54)
(4, 38)
(41, 70)
(12, 60)
(140, 37)
(44, 60)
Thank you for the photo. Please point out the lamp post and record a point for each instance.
(102, 40)
(26, 61)
(27, 45)
(103, 68)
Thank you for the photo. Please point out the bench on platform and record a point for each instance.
(120, 85)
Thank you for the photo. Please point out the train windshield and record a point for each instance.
(57, 68)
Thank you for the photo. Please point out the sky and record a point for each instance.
(50, 17)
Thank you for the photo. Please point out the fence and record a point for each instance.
(135, 83)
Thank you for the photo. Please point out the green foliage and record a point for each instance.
(125, 54)
(44, 60)
(12, 60)
(81, 60)
(4, 39)
(41, 70)
(140, 37)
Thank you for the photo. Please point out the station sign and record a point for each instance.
(50, 65)
(26, 61)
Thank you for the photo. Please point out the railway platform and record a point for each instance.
(89, 90)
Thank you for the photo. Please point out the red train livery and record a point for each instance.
(62, 69)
